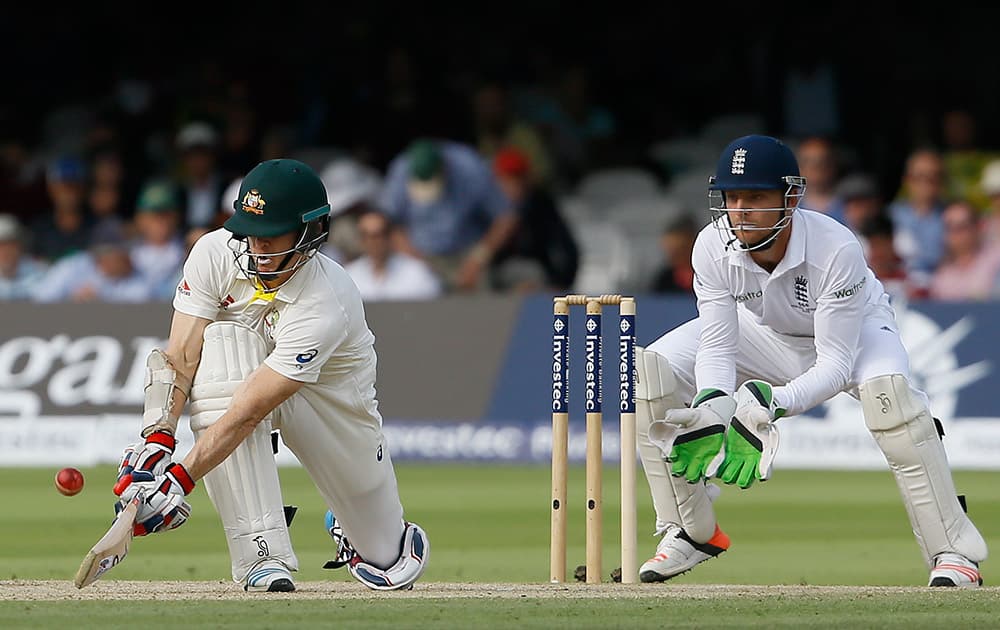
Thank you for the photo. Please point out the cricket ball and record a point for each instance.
(69, 481)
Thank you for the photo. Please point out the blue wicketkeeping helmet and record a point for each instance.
(755, 162)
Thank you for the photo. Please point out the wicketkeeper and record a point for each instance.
(267, 334)
(789, 315)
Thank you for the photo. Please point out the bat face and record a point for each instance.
(110, 549)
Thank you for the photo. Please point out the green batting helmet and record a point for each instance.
(278, 197)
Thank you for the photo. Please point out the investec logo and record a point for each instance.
(559, 367)
(592, 365)
(626, 348)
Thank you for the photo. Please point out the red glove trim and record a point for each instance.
(179, 473)
(163, 439)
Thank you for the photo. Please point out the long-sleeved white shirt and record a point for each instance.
(822, 288)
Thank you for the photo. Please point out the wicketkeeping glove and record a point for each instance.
(692, 439)
(150, 458)
(163, 506)
(752, 438)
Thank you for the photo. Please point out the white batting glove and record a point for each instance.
(162, 506)
(146, 460)
(752, 438)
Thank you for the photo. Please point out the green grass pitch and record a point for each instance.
(490, 524)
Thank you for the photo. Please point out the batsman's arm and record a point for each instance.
(258, 396)
(170, 373)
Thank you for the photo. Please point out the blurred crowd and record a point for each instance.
(103, 201)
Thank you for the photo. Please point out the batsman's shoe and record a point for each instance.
(414, 550)
(269, 576)
(677, 554)
(951, 569)
(344, 549)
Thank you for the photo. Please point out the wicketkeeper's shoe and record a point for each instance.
(951, 569)
(269, 576)
(677, 554)
(344, 549)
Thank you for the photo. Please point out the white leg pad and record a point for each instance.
(674, 500)
(244, 488)
(904, 429)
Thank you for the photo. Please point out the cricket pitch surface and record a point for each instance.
(58, 590)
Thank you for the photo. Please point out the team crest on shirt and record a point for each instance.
(270, 321)
(802, 302)
(253, 202)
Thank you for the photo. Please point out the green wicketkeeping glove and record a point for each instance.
(752, 438)
(692, 439)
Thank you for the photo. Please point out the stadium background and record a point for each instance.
(324, 77)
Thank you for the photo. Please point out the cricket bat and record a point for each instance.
(111, 548)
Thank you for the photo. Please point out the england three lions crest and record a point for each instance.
(802, 301)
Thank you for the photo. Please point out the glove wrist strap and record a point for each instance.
(180, 474)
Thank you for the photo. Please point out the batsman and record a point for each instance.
(789, 315)
(268, 334)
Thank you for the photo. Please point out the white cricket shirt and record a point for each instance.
(821, 289)
(314, 324)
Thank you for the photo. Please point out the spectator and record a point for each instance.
(383, 274)
(19, 272)
(876, 236)
(970, 268)
(448, 209)
(108, 192)
(22, 182)
(159, 252)
(818, 164)
(201, 180)
(677, 275)
(497, 127)
(578, 131)
(64, 228)
(353, 189)
(916, 214)
(811, 91)
(857, 200)
(989, 184)
(964, 159)
(542, 253)
(104, 272)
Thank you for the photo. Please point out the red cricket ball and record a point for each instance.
(69, 481)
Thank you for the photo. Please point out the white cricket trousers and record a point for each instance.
(776, 358)
(348, 459)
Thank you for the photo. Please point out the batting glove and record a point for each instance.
(752, 438)
(692, 439)
(162, 506)
(145, 461)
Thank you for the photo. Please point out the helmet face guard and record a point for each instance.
(755, 162)
(277, 198)
(311, 237)
(794, 191)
